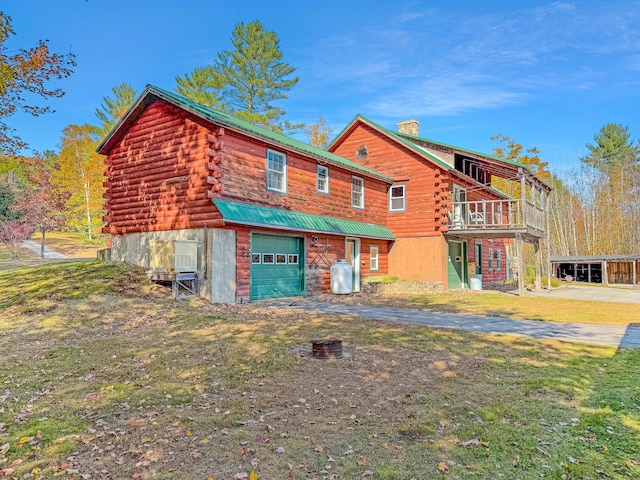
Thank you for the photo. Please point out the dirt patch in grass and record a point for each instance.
(114, 379)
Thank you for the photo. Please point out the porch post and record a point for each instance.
(523, 186)
(605, 273)
(536, 245)
(520, 265)
(548, 227)
(635, 266)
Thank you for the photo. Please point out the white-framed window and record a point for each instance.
(255, 258)
(498, 260)
(374, 255)
(276, 171)
(490, 262)
(322, 179)
(397, 198)
(268, 258)
(357, 192)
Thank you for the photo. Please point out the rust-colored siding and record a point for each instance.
(426, 184)
(157, 175)
(243, 179)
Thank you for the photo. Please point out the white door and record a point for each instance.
(352, 255)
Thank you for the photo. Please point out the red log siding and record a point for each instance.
(243, 168)
(317, 272)
(157, 175)
(494, 276)
(425, 182)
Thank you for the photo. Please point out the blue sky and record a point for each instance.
(545, 73)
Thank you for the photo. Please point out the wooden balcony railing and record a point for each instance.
(496, 215)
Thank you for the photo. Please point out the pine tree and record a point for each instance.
(113, 109)
(247, 80)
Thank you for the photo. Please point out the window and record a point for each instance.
(490, 262)
(322, 179)
(374, 251)
(276, 171)
(357, 192)
(293, 259)
(281, 258)
(267, 258)
(255, 258)
(498, 260)
(397, 198)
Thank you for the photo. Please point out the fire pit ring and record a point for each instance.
(324, 349)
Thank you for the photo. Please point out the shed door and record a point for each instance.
(277, 266)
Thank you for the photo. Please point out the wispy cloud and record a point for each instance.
(436, 63)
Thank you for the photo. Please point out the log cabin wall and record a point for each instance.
(156, 174)
(494, 271)
(425, 184)
(243, 179)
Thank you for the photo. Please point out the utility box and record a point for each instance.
(173, 255)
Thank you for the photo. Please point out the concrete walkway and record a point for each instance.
(35, 247)
(620, 336)
(618, 294)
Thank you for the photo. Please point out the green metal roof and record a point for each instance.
(255, 215)
(409, 141)
(151, 93)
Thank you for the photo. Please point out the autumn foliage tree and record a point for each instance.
(80, 174)
(25, 73)
(318, 133)
(43, 203)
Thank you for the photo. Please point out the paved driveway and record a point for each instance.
(597, 294)
(620, 336)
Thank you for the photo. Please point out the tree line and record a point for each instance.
(595, 209)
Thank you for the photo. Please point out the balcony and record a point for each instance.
(497, 218)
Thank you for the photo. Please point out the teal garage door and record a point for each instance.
(277, 266)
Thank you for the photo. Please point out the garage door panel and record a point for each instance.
(280, 278)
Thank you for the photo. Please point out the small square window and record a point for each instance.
(293, 259)
(397, 198)
(255, 258)
(357, 192)
(268, 258)
(281, 258)
(322, 179)
(374, 253)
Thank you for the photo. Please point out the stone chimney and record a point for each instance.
(412, 127)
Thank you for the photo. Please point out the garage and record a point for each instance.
(277, 266)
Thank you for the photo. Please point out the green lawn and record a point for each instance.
(103, 375)
(526, 308)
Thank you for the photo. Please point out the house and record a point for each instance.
(448, 220)
(267, 216)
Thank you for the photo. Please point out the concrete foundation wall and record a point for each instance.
(421, 259)
(219, 276)
(222, 265)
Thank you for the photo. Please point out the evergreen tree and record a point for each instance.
(613, 148)
(247, 80)
(113, 109)
(201, 87)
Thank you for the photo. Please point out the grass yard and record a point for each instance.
(71, 244)
(104, 376)
(467, 302)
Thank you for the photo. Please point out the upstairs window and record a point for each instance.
(276, 171)
(397, 198)
(322, 179)
(357, 192)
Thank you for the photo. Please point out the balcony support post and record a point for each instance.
(536, 245)
(521, 268)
